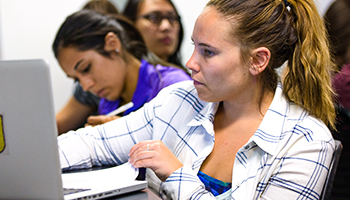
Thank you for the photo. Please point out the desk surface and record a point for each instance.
(145, 194)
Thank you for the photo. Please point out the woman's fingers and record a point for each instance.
(100, 119)
(156, 156)
(139, 145)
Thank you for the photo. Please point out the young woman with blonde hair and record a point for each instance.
(236, 131)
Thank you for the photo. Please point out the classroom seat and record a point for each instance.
(327, 189)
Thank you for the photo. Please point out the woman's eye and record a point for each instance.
(207, 52)
(87, 69)
(155, 19)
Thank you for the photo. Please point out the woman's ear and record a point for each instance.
(112, 42)
(260, 59)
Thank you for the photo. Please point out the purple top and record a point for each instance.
(341, 83)
(151, 81)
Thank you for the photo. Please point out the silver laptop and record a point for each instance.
(29, 162)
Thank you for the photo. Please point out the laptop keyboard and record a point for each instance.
(73, 190)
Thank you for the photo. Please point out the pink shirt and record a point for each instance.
(341, 84)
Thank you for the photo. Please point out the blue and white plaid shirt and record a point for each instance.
(287, 157)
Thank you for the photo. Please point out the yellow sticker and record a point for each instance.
(2, 136)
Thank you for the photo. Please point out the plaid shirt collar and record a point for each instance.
(266, 136)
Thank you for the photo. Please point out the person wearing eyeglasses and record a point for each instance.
(160, 26)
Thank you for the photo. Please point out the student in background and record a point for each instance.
(269, 140)
(337, 19)
(82, 104)
(160, 26)
(164, 39)
(108, 57)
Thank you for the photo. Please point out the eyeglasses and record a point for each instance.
(157, 18)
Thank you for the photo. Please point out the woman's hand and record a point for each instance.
(155, 155)
(99, 119)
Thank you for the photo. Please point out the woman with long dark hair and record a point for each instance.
(160, 26)
(108, 57)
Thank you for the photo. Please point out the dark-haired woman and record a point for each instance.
(160, 26)
(108, 57)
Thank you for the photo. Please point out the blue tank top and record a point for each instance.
(213, 185)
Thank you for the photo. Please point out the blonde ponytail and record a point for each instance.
(308, 81)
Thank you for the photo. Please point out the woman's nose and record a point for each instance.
(165, 24)
(192, 64)
(86, 83)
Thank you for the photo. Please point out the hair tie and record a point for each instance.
(287, 4)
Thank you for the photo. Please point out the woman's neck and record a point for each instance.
(253, 108)
(132, 78)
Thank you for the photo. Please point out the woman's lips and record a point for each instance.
(100, 93)
(197, 82)
(166, 40)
